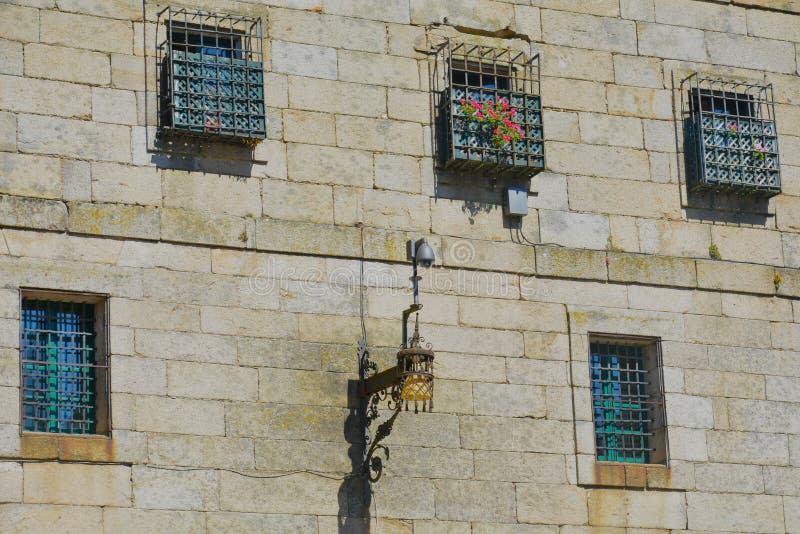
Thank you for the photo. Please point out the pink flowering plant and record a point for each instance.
(212, 123)
(496, 117)
(732, 130)
(759, 151)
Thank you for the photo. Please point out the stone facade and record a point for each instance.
(236, 280)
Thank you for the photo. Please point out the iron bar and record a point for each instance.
(211, 79)
(627, 405)
(731, 136)
(60, 369)
(482, 73)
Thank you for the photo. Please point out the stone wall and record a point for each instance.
(236, 281)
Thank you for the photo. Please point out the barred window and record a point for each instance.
(488, 108)
(627, 400)
(64, 363)
(211, 79)
(731, 136)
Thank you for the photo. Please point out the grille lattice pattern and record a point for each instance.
(732, 141)
(486, 74)
(212, 80)
(622, 403)
(59, 367)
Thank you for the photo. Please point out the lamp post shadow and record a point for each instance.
(355, 492)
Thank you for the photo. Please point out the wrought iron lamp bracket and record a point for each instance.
(376, 387)
(410, 380)
(379, 386)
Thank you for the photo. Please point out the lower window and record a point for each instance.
(627, 399)
(64, 363)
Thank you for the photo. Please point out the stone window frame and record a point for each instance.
(589, 470)
(102, 392)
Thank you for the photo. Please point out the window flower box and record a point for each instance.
(489, 110)
(212, 79)
(732, 140)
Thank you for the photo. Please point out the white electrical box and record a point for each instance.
(515, 201)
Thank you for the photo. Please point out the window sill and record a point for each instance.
(592, 473)
(68, 448)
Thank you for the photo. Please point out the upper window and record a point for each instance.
(731, 138)
(627, 400)
(64, 363)
(211, 76)
(489, 110)
(480, 76)
(193, 40)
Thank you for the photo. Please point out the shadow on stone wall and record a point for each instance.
(355, 495)
(187, 154)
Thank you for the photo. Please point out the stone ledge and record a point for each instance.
(595, 474)
(388, 246)
(788, 6)
(102, 449)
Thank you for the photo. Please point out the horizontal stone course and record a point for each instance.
(73, 138)
(570, 263)
(338, 32)
(32, 213)
(585, 31)
(126, 520)
(101, 34)
(67, 64)
(234, 301)
(474, 500)
(585, 319)
(205, 228)
(740, 51)
(180, 416)
(574, 230)
(672, 42)
(32, 95)
(304, 60)
(20, 23)
(740, 513)
(161, 489)
(119, 220)
(514, 434)
(39, 517)
(76, 484)
(295, 494)
(650, 509)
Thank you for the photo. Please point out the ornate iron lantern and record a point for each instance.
(410, 381)
(415, 368)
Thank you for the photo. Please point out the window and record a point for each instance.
(211, 77)
(479, 75)
(473, 80)
(64, 363)
(627, 400)
(731, 138)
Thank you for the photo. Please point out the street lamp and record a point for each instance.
(411, 380)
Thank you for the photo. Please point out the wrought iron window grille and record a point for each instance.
(468, 72)
(627, 400)
(210, 76)
(731, 137)
(64, 368)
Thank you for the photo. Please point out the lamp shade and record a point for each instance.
(416, 377)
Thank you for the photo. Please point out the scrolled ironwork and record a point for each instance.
(373, 465)
(411, 380)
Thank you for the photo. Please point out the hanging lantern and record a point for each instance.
(415, 366)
